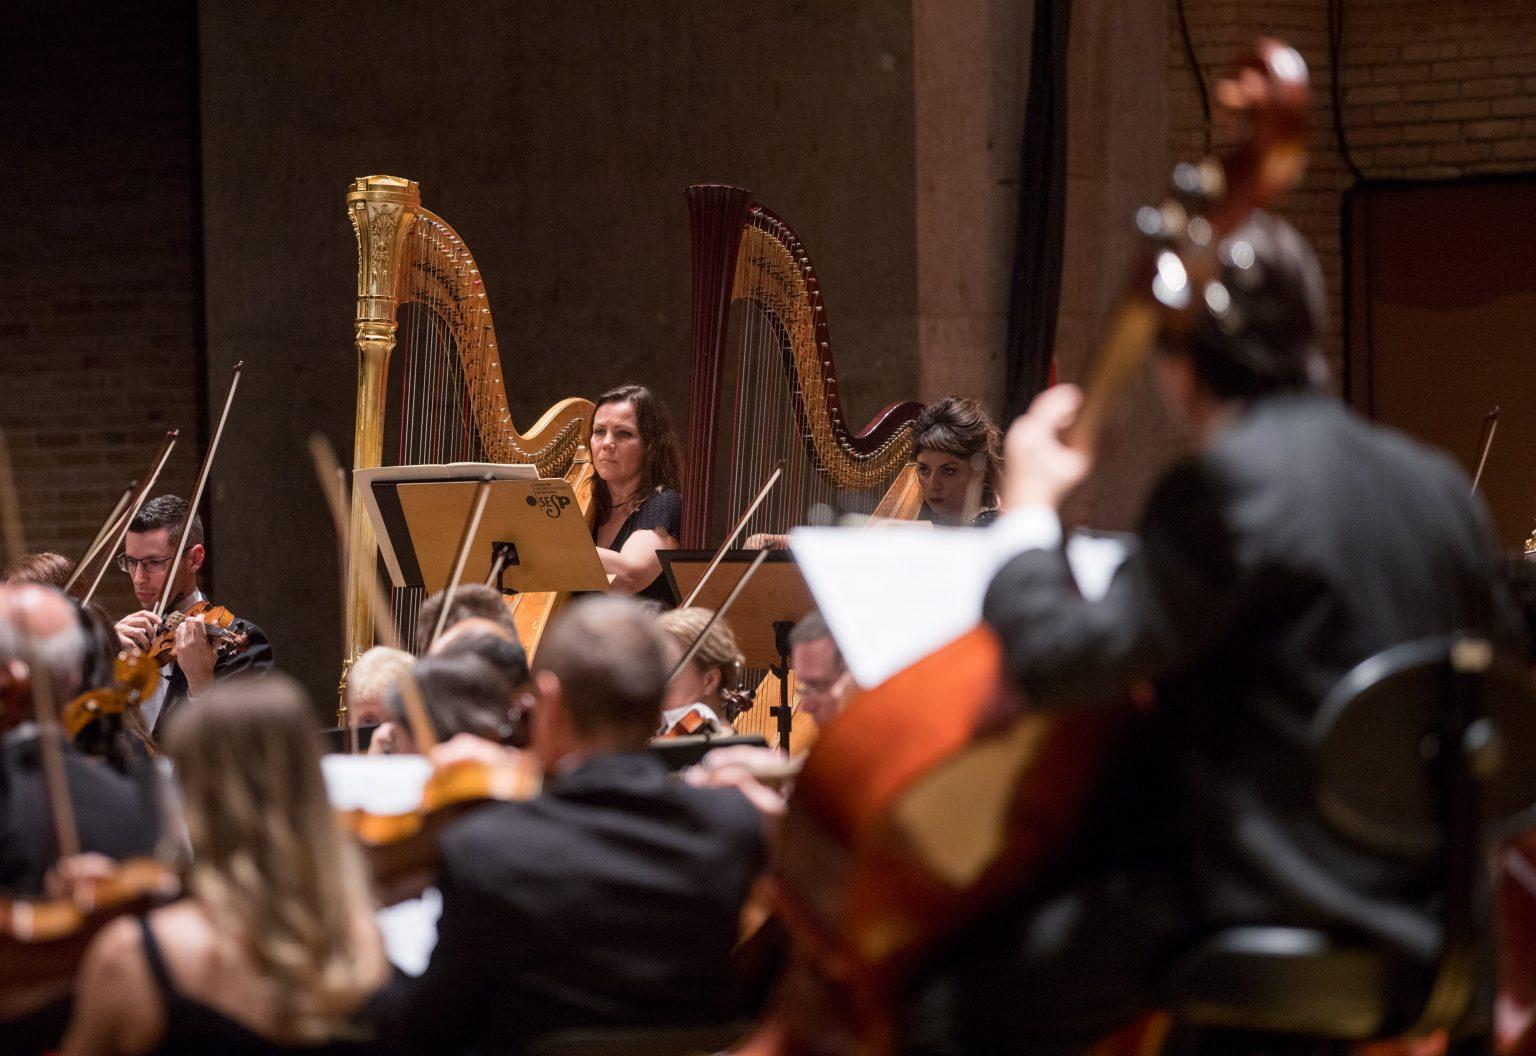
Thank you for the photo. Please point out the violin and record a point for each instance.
(135, 676)
(217, 623)
(402, 849)
(908, 821)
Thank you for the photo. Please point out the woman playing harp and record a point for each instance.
(636, 507)
(957, 454)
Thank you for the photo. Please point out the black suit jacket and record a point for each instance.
(257, 657)
(116, 812)
(1303, 542)
(610, 899)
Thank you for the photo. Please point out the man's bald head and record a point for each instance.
(41, 622)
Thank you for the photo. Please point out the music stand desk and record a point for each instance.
(777, 594)
(773, 602)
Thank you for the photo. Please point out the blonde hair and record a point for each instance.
(717, 652)
(269, 864)
(374, 672)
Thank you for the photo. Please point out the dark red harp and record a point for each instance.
(781, 384)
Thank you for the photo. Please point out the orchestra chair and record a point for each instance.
(1427, 752)
(638, 1041)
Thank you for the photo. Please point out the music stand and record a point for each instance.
(534, 525)
(762, 617)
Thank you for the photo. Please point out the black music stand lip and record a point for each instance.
(776, 615)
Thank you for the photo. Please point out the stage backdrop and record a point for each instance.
(557, 138)
(1441, 306)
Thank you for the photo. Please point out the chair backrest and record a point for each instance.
(1382, 732)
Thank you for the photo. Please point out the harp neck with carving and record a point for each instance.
(419, 289)
(781, 380)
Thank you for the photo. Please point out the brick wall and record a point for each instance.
(1430, 90)
(97, 312)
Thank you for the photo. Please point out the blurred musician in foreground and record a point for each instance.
(712, 679)
(148, 551)
(1297, 542)
(114, 806)
(612, 897)
(958, 452)
(45, 567)
(276, 949)
(638, 507)
(112, 803)
(368, 683)
(462, 694)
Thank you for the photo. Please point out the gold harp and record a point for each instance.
(418, 287)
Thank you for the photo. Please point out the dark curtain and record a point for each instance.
(1035, 289)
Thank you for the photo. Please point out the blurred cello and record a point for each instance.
(909, 820)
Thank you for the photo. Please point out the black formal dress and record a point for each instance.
(610, 899)
(195, 1029)
(1302, 542)
(661, 511)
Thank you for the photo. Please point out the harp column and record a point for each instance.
(383, 210)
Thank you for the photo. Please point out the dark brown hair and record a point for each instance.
(960, 426)
(45, 567)
(462, 694)
(168, 511)
(661, 464)
(470, 601)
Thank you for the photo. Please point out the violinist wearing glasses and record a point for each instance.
(197, 643)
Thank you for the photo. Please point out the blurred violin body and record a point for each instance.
(43, 940)
(402, 849)
(217, 621)
(135, 678)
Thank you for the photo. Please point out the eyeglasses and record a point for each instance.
(152, 565)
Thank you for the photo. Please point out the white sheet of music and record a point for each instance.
(379, 784)
(893, 594)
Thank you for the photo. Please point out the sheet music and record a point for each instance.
(891, 595)
(379, 784)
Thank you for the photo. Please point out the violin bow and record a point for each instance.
(332, 483)
(50, 733)
(197, 492)
(166, 447)
(741, 522)
(1485, 444)
(102, 533)
(461, 555)
(730, 599)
